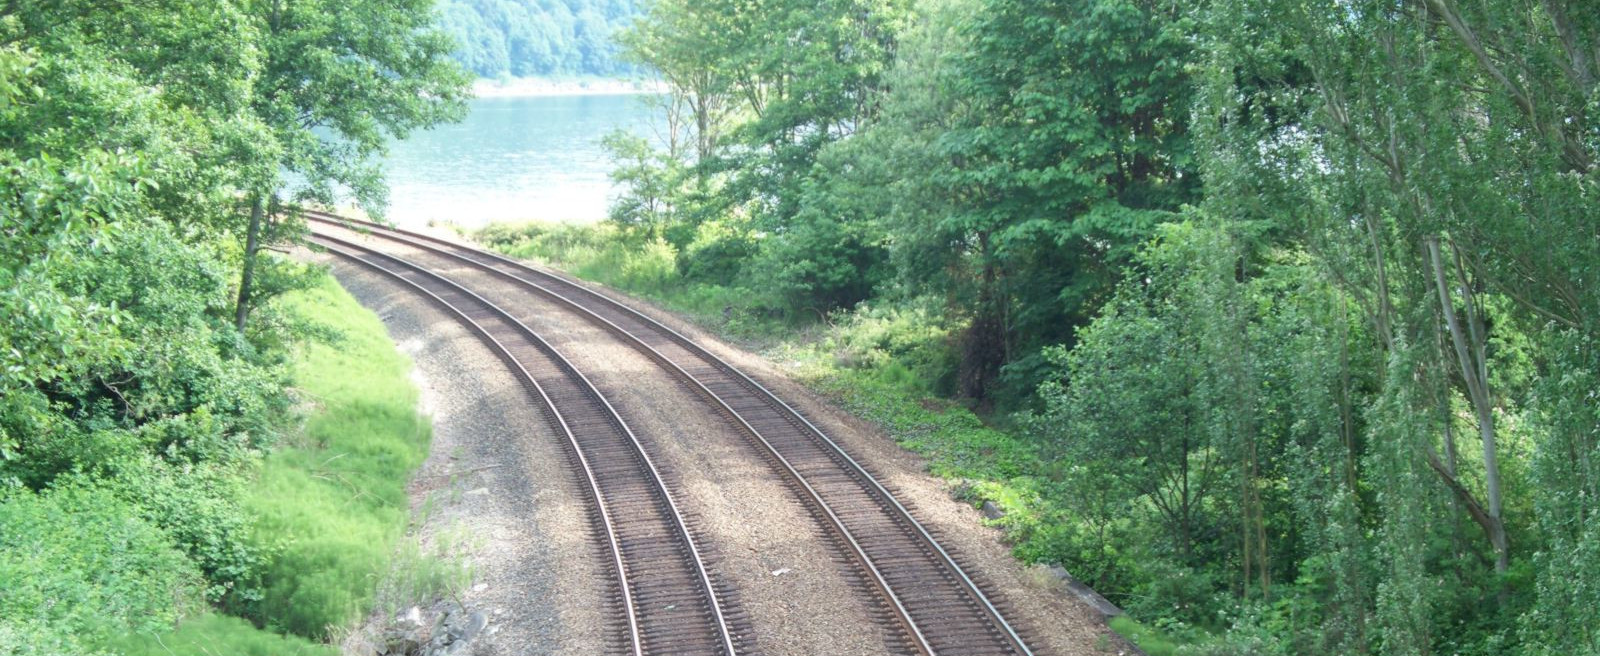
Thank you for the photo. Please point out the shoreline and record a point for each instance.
(528, 87)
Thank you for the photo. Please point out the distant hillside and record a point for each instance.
(539, 37)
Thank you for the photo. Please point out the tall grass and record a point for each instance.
(332, 507)
(219, 635)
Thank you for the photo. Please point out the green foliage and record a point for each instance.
(756, 96)
(135, 407)
(1150, 641)
(165, 403)
(1062, 149)
(650, 180)
(80, 566)
(341, 79)
(1568, 564)
(526, 38)
(936, 146)
(210, 634)
(1337, 400)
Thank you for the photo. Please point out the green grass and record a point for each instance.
(218, 635)
(598, 252)
(330, 505)
(333, 506)
(1149, 640)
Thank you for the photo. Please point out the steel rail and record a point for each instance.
(970, 587)
(344, 248)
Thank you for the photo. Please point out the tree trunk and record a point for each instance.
(252, 244)
(1471, 351)
(983, 347)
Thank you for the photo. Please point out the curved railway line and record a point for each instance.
(665, 597)
(934, 604)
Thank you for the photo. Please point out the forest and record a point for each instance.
(1276, 321)
(168, 396)
(538, 38)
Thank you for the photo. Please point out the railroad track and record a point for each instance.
(936, 606)
(665, 600)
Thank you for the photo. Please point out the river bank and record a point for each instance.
(579, 86)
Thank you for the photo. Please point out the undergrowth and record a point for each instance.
(214, 635)
(329, 505)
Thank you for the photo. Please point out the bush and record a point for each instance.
(79, 565)
(717, 254)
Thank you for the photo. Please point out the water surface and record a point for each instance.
(512, 159)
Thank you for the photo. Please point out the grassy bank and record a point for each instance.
(329, 505)
(332, 505)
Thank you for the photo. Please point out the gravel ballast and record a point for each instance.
(800, 600)
(495, 485)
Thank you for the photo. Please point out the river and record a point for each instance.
(513, 159)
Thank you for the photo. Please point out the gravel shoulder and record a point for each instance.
(494, 490)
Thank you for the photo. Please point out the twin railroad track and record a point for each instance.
(670, 602)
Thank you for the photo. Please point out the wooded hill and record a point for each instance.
(525, 38)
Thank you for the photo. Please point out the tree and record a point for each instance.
(1071, 147)
(1397, 141)
(338, 80)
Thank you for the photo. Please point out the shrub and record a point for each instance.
(79, 565)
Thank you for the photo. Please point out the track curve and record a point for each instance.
(665, 592)
(938, 606)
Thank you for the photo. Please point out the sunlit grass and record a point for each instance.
(333, 507)
(218, 635)
(330, 505)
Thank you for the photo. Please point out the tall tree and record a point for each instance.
(1075, 147)
(339, 80)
